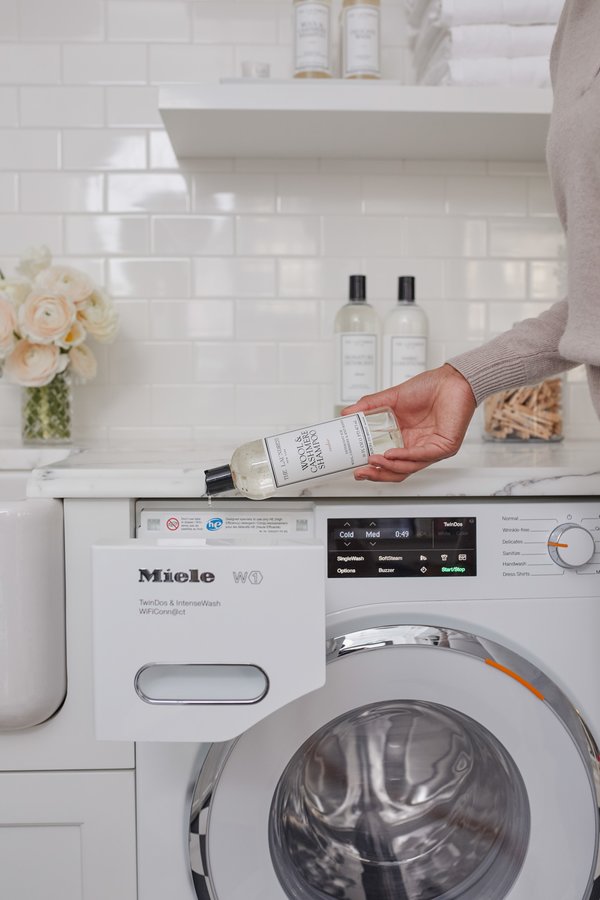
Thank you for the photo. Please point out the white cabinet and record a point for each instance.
(67, 836)
(67, 800)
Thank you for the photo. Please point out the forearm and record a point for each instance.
(526, 354)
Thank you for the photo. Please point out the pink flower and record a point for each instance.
(34, 365)
(33, 260)
(8, 324)
(74, 337)
(83, 362)
(45, 317)
(98, 316)
(64, 280)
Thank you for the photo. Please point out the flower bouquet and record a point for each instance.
(46, 315)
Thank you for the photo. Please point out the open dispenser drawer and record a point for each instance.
(197, 640)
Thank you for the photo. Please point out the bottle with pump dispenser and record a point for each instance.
(356, 328)
(312, 38)
(258, 468)
(405, 332)
(360, 39)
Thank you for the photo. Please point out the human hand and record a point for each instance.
(433, 410)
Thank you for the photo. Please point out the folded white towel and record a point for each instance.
(482, 41)
(482, 12)
(530, 71)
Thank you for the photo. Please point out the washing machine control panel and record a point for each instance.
(398, 547)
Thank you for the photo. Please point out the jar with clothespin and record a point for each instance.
(531, 414)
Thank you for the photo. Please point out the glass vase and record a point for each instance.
(46, 412)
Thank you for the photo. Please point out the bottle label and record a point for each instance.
(356, 366)
(319, 449)
(311, 37)
(361, 41)
(404, 357)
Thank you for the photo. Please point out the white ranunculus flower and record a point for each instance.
(34, 365)
(75, 336)
(33, 260)
(46, 317)
(99, 317)
(8, 324)
(64, 280)
(16, 289)
(83, 362)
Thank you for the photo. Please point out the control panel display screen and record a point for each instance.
(401, 548)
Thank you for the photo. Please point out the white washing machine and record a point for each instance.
(450, 753)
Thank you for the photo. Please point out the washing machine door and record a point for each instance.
(433, 765)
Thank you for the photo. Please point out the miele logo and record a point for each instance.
(453, 524)
(194, 576)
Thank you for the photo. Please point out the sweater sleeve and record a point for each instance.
(526, 354)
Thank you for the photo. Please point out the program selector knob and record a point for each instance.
(571, 546)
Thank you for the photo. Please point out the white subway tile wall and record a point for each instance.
(227, 273)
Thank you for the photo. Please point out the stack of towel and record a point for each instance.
(483, 42)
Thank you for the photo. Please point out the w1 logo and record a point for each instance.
(253, 577)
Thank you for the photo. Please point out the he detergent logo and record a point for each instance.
(214, 524)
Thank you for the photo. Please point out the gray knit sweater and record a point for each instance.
(568, 333)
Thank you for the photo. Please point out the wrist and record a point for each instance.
(450, 372)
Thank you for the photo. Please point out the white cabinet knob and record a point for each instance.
(571, 546)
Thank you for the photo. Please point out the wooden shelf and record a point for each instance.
(344, 119)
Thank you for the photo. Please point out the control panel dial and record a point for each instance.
(571, 546)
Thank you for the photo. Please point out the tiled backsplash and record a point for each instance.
(228, 273)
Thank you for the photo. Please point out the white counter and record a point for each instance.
(478, 470)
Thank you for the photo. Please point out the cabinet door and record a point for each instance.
(67, 835)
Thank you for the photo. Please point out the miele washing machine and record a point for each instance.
(386, 699)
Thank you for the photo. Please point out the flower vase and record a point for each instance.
(46, 412)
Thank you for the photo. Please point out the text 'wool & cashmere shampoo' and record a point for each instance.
(405, 332)
(356, 328)
(258, 468)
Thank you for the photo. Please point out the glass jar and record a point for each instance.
(531, 413)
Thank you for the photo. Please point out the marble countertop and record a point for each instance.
(478, 470)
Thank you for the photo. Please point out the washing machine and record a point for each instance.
(441, 741)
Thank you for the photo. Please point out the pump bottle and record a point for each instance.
(259, 468)
(356, 328)
(404, 337)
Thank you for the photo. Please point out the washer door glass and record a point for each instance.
(432, 765)
(399, 799)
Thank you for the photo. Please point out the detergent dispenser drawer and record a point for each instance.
(198, 642)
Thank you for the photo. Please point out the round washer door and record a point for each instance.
(433, 765)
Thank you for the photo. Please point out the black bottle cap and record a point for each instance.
(406, 287)
(358, 288)
(218, 480)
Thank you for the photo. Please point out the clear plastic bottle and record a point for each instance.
(356, 328)
(361, 39)
(312, 38)
(405, 332)
(258, 468)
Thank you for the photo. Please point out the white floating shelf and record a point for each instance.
(344, 119)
